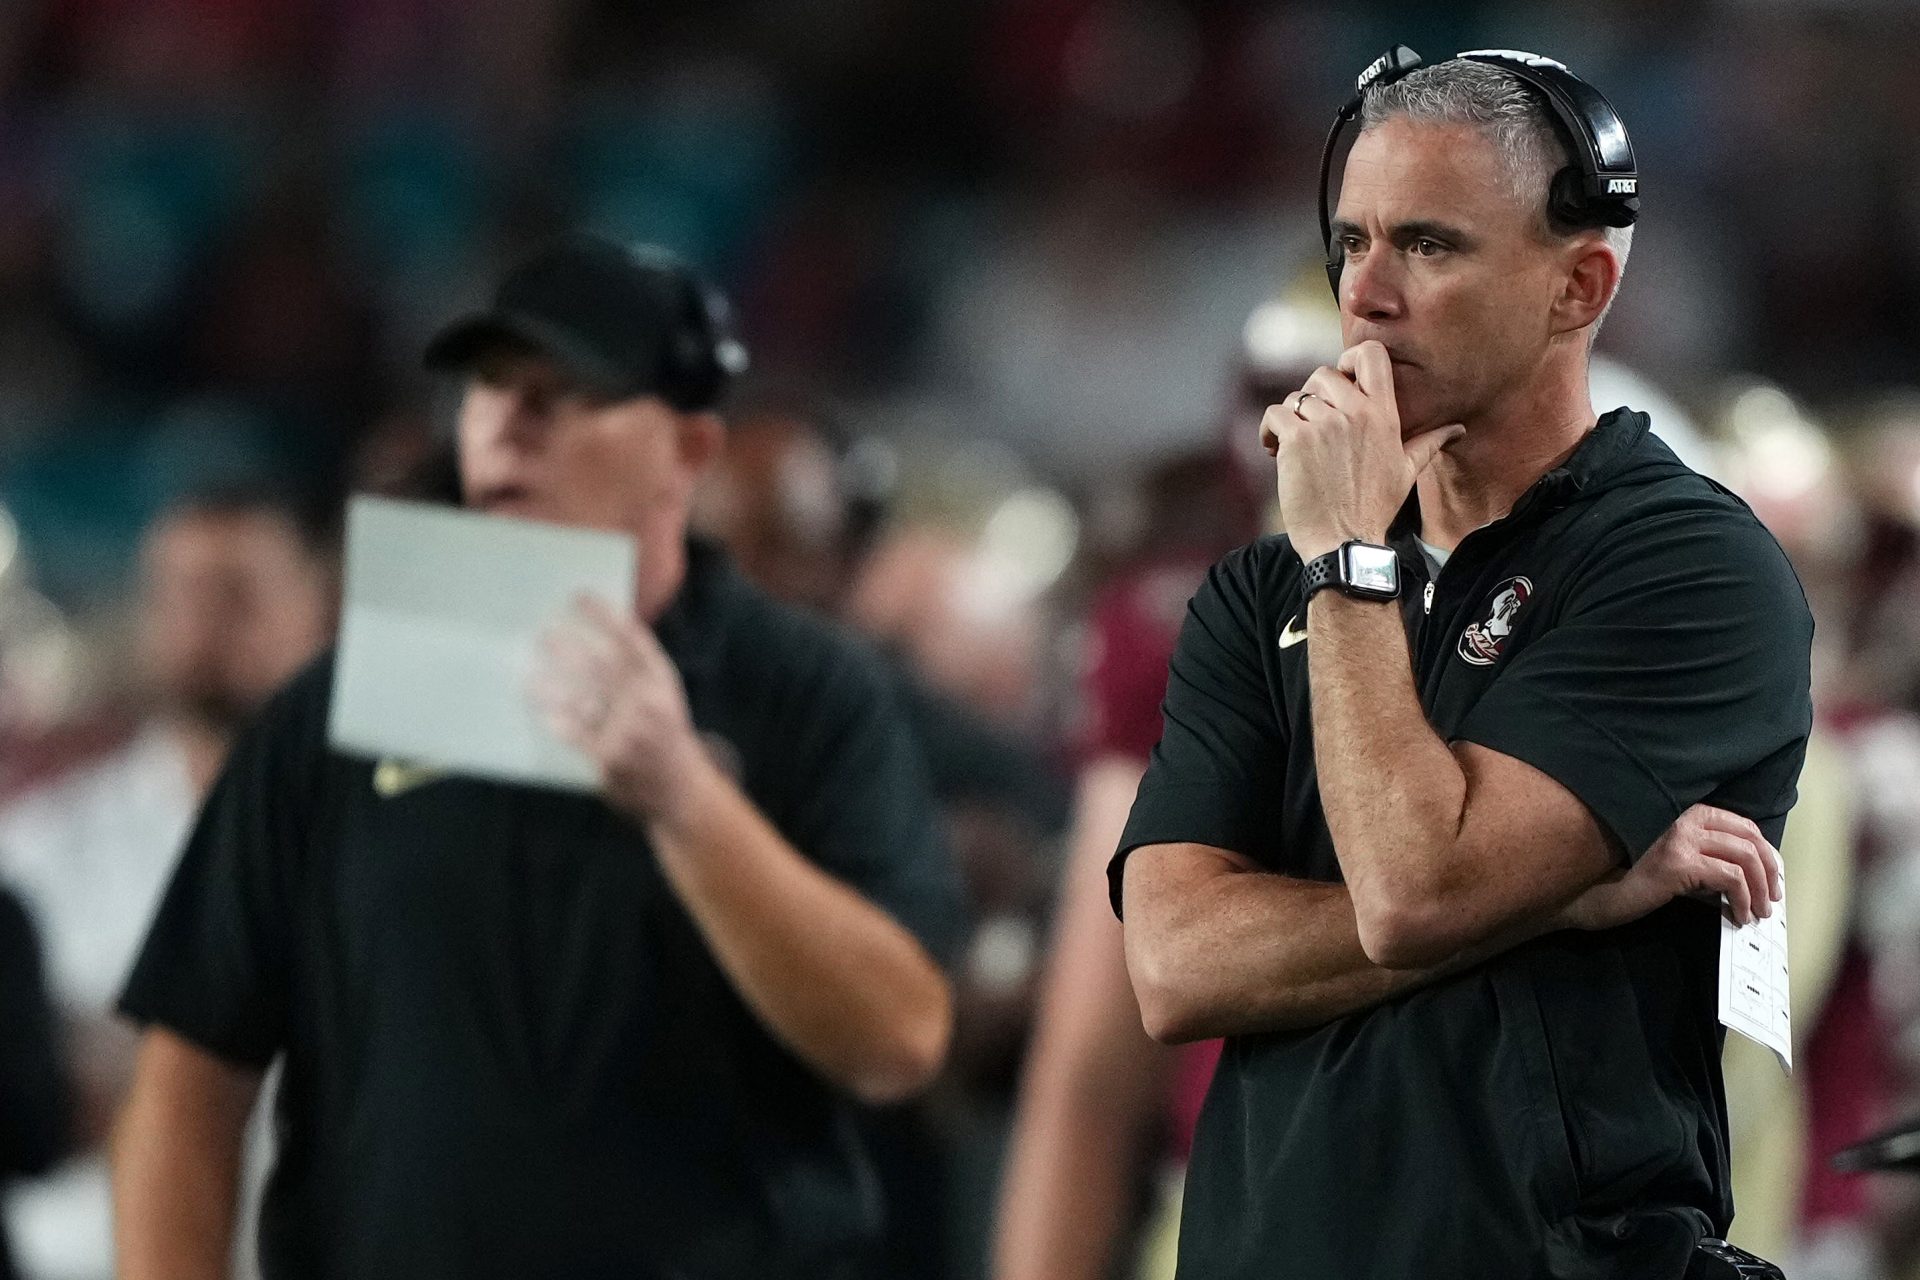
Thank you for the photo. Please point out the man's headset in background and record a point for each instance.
(700, 352)
(704, 353)
(1601, 188)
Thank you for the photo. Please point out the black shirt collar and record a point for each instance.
(690, 628)
(1598, 455)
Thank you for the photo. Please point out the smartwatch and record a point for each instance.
(1363, 570)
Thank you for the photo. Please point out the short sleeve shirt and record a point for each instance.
(508, 1051)
(34, 1105)
(1631, 630)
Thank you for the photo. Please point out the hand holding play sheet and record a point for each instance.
(440, 637)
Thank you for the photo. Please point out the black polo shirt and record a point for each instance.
(508, 1050)
(35, 1106)
(1631, 630)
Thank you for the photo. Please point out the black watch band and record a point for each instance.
(1377, 578)
(1321, 571)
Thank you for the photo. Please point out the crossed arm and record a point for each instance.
(1443, 848)
(1451, 855)
(1216, 947)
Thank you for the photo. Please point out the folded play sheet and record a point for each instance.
(440, 632)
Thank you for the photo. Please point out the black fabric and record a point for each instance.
(35, 1105)
(1556, 1111)
(624, 319)
(508, 1050)
(972, 761)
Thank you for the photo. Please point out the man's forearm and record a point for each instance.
(176, 1162)
(1444, 848)
(833, 976)
(1092, 1088)
(1072, 1160)
(1226, 951)
(1392, 792)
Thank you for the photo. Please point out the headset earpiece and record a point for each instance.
(1567, 206)
(715, 353)
(1601, 188)
(703, 354)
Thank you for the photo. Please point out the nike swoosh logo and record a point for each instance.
(392, 777)
(1292, 634)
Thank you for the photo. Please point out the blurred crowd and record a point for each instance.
(1017, 279)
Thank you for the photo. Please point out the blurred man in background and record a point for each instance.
(236, 594)
(528, 1032)
(802, 509)
(1879, 677)
(1783, 1129)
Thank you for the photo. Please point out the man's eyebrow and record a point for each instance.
(1406, 232)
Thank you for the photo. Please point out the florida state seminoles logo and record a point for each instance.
(1482, 641)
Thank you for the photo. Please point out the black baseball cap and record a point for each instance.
(626, 320)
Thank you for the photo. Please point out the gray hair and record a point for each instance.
(1510, 113)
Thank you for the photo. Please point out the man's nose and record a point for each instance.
(1370, 287)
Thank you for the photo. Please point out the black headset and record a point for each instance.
(1601, 188)
(704, 353)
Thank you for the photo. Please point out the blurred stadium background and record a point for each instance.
(995, 262)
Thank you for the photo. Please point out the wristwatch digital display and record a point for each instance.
(1363, 570)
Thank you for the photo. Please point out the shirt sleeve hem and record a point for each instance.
(245, 1051)
(1585, 758)
(1173, 828)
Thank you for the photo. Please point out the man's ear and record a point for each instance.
(1592, 275)
(700, 438)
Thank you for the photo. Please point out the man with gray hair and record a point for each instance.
(1446, 771)
(1509, 113)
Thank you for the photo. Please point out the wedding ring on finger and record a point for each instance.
(1299, 399)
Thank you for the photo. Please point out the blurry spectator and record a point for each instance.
(1886, 755)
(783, 500)
(33, 1104)
(235, 597)
(43, 729)
(801, 513)
(804, 515)
(1882, 688)
(1092, 328)
(1840, 842)
(1882, 593)
(1097, 1091)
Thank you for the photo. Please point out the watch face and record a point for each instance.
(1374, 570)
